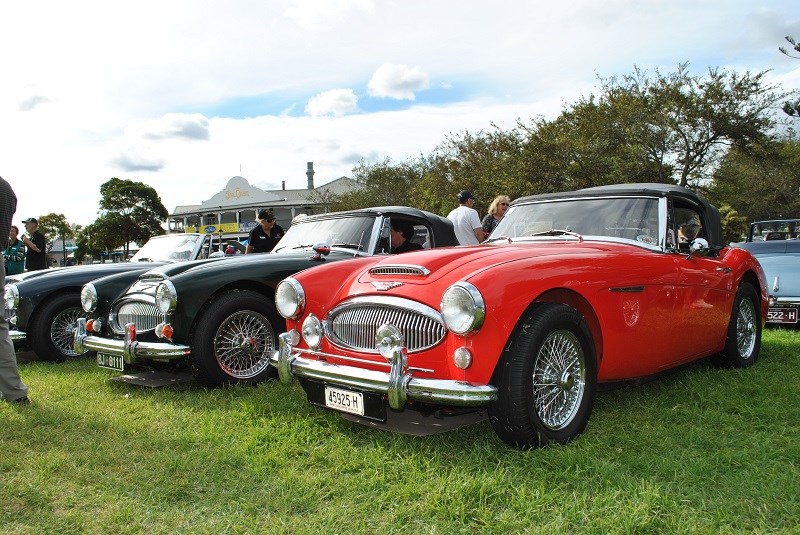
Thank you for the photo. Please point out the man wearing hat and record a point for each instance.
(265, 235)
(466, 222)
(36, 255)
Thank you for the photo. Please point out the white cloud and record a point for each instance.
(313, 14)
(397, 81)
(336, 102)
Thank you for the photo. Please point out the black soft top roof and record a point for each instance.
(712, 227)
(441, 226)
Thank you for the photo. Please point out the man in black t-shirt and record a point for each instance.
(36, 255)
(265, 235)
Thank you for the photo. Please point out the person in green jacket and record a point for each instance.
(14, 254)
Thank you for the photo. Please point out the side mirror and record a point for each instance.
(699, 247)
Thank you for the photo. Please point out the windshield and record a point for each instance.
(775, 230)
(351, 233)
(168, 248)
(627, 217)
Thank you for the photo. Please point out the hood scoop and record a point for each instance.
(399, 269)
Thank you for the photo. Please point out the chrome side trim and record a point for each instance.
(17, 336)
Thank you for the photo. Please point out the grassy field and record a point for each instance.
(700, 451)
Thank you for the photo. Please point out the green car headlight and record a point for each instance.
(88, 297)
(166, 297)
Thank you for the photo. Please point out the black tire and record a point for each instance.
(52, 331)
(547, 380)
(234, 339)
(743, 341)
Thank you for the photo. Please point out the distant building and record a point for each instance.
(231, 213)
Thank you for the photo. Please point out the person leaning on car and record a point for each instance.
(36, 256)
(265, 235)
(12, 389)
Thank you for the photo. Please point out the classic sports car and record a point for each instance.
(780, 260)
(44, 305)
(774, 229)
(570, 290)
(220, 317)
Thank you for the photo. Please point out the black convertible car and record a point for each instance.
(219, 318)
(43, 306)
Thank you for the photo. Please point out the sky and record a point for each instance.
(183, 95)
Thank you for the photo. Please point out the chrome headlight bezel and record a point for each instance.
(10, 297)
(89, 297)
(463, 308)
(166, 297)
(312, 331)
(290, 298)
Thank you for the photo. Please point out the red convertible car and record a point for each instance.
(602, 285)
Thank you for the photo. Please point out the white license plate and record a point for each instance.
(344, 400)
(111, 362)
(782, 315)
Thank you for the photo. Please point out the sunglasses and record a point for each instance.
(503, 204)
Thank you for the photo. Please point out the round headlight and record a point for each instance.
(312, 331)
(89, 297)
(290, 299)
(462, 308)
(11, 297)
(166, 297)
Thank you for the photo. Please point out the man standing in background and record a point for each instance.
(36, 257)
(12, 389)
(466, 222)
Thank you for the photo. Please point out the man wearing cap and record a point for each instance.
(466, 222)
(12, 389)
(36, 255)
(265, 235)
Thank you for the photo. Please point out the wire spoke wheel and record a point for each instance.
(746, 328)
(62, 331)
(243, 344)
(559, 379)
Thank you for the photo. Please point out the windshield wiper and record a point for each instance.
(356, 246)
(558, 232)
(506, 238)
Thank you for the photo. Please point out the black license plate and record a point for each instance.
(370, 404)
(782, 315)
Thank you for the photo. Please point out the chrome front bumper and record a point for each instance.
(17, 336)
(129, 347)
(398, 385)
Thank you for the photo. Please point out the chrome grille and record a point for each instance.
(353, 324)
(144, 315)
(400, 269)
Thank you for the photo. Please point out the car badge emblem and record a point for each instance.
(384, 286)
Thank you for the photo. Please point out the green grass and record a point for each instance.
(700, 451)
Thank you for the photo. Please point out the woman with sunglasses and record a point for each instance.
(496, 212)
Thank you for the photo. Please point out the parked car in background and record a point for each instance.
(43, 306)
(219, 319)
(774, 229)
(780, 260)
(570, 290)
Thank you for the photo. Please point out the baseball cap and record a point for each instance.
(266, 215)
(464, 196)
(31, 220)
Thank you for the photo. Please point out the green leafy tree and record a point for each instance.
(54, 227)
(134, 209)
(791, 107)
(734, 226)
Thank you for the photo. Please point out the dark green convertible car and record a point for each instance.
(219, 318)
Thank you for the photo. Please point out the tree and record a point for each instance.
(54, 227)
(134, 209)
(789, 107)
(762, 182)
